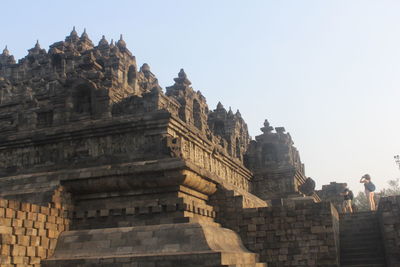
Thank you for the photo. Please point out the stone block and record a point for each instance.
(5, 249)
(17, 250)
(34, 260)
(41, 252)
(17, 223)
(31, 232)
(13, 204)
(10, 213)
(41, 217)
(23, 240)
(26, 207)
(28, 223)
(3, 203)
(6, 230)
(5, 260)
(5, 222)
(31, 251)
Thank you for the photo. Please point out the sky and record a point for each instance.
(328, 71)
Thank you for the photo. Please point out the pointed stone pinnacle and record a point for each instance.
(6, 52)
(84, 34)
(73, 32)
(103, 41)
(121, 43)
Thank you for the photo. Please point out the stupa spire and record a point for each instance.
(6, 52)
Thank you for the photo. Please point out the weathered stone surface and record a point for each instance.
(22, 241)
(389, 219)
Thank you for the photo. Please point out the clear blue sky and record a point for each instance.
(328, 71)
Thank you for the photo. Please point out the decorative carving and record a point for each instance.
(308, 187)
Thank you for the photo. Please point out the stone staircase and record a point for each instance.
(360, 241)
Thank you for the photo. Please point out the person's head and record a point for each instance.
(367, 177)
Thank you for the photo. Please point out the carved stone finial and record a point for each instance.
(121, 43)
(182, 74)
(37, 45)
(73, 32)
(182, 78)
(103, 41)
(84, 34)
(6, 52)
(280, 130)
(238, 114)
(230, 113)
(267, 128)
(220, 106)
(36, 49)
(73, 36)
(145, 67)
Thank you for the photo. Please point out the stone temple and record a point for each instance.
(100, 167)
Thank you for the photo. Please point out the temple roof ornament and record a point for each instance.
(145, 67)
(121, 43)
(103, 41)
(36, 49)
(182, 78)
(37, 45)
(73, 32)
(230, 112)
(73, 36)
(6, 52)
(280, 130)
(267, 128)
(84, 34)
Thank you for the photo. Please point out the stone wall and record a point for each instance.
(389, 218)
(28, 233)
(332, 193)
(301, 233)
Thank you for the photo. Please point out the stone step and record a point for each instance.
(358, 214)
(248, 265)
(360, 223)
(363, 261)
(361, 251)
(360, 239)
(363, 265)
(209, 259)
(352, 218)
(169, 243)
(356, 220)
(362, 255)
(199, 259)
(368, 246)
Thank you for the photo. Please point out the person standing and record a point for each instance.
(347, 198)
(369, 190)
